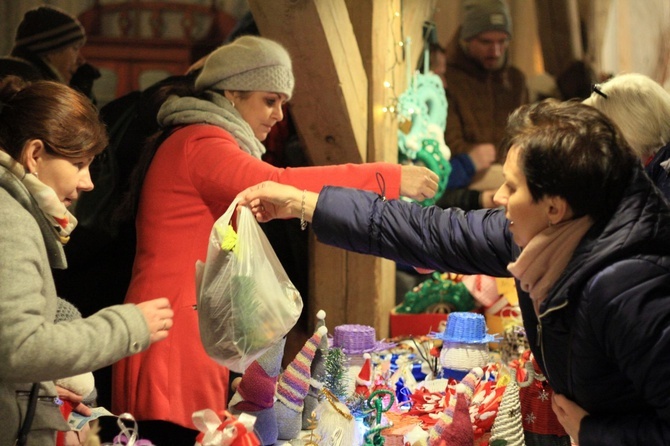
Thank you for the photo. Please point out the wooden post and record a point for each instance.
(343, 53)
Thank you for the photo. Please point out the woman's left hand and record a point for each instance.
(76, 400)
(417, 182)
(569, 414)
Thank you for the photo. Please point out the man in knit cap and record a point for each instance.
(482, 89)
(46, 47)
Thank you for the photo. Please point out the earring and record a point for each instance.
(35, 173)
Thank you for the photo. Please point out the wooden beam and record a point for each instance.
(559, 31)
(331, 100)
(340, 118)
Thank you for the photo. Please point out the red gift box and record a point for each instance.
(415, 324)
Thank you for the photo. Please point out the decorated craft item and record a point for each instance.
(419, 363)
(311, 425)
(486, 400)
(245, 300)
(128, 433)
(356, 339)
(505, 311)
(513, 343)
(364, 380)
(507, 428)
(336, 378)
(483, 289)
(465, 344)
(426, 404)
(337, 425)
(422, 117)
(317, 373)
(454, 426)
(380, 401)
(292, 388)
(224, 430)
(256, 391)
(441, 293)
(540, 424)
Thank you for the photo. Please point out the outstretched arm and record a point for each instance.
(269, 200)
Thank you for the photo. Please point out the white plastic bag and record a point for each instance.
(246, 302)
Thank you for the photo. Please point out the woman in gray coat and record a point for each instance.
(49, 134)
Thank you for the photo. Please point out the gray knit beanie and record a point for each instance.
(47, 29)
(485, 15)
(249, 63)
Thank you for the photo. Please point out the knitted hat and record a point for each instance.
(454, 426)
(485, 15)
(249, 63)
(293, 384)
(47, 29)
(318, 373)
(364, 378)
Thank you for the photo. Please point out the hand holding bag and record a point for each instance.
(246, 302)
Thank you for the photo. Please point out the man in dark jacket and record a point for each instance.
(46, 47)
(483, 88)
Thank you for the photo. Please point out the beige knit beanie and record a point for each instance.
(249, 63)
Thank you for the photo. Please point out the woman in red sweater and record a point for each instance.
(212, 152)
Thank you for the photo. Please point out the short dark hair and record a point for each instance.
(571, 150)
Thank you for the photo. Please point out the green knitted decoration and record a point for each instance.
(438, 290)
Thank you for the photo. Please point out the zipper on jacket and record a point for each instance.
(539, 336)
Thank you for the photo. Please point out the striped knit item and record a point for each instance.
(47, 29)
(293, 384)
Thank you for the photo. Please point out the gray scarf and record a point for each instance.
(216, 111)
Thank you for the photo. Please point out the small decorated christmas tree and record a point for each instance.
(335, 376)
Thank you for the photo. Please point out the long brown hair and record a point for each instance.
(64, 119)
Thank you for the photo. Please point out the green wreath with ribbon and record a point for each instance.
(422, 115)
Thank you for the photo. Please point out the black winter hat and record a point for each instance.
(47, 29)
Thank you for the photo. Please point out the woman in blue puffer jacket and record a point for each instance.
(587, 237)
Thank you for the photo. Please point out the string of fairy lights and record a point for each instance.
(399, 57)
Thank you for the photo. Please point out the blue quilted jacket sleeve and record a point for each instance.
(476, 242)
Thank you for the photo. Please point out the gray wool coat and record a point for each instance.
(32, 347)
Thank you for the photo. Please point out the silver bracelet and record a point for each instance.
(303, 223)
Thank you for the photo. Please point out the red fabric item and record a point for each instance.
(257, 388)
(193, 178)
(538, 416)
(65, 409)
(459, 432)
(238, 433)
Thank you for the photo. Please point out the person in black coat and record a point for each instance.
(585, 234)
(47, 46)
